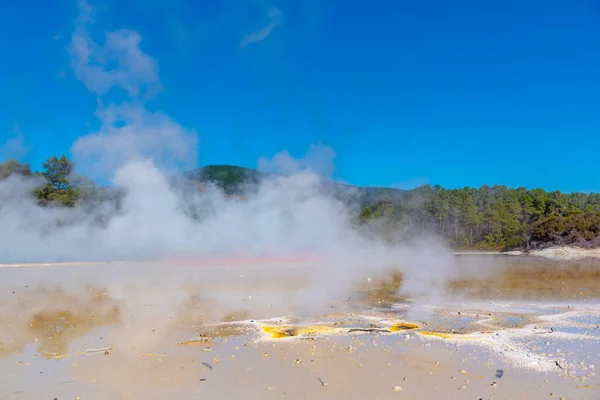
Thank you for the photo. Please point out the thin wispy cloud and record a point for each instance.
(119, 62)
(275, 16)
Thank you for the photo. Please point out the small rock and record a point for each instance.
(397, 388)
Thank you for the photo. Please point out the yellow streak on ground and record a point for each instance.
(438, 334)
(403, 326)
(278, 332)
(447, 335)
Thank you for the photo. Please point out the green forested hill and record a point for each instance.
(238, 180)
(496, 216)
(487, 217)
(230, 178)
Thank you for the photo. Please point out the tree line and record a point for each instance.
(489, 217)
(56, 177)
(493, 217)
(59, 185)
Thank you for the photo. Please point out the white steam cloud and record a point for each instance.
(130, 132)
(286, 214)
(319, 159)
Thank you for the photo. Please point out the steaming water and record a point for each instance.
(139, 312)
(110, 330)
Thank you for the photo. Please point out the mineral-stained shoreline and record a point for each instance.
(160, 330)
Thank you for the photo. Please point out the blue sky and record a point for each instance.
(406, 92)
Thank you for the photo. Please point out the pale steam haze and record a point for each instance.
(129, 133)
(319, 159)
(139, 150)
(14, 147)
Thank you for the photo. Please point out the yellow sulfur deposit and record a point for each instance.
(278, 332)
(438, 334)
(403, 326)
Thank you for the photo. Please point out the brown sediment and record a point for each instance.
(195, 342)
(56, 318)
(56, 329)
(224, 330)
(207, 334)
(520, 279)
(383, 290)
(553, 281)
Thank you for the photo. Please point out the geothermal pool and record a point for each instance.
(524, 327)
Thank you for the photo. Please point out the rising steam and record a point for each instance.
(138, 150)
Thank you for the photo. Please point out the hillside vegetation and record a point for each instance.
(487, 217)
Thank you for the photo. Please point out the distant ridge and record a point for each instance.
(237, 180)
(232, 179)
(489, 217)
